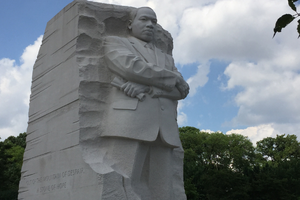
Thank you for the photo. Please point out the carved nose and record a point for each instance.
(150, 24)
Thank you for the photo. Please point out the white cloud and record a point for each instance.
(208, 131)
(269, 90)
(228, 29)
(181, 104)
(15, 82)
(265, 71)
(182, 118)
(256, 133)
(199, 79)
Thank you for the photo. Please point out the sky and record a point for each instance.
(241, 79)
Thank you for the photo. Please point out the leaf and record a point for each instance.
(292, 5)
(298, 28)
(282, 22)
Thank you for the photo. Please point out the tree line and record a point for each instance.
(216, 166)
(219, 166)
(11, 159)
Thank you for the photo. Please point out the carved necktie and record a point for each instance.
(151, 51)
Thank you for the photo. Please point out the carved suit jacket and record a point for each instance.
(157, 114)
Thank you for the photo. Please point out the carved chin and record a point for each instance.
(147, 37)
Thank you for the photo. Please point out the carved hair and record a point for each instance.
(134, 11)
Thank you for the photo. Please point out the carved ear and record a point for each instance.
(129, 24)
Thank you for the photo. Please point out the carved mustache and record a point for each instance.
(148, 30)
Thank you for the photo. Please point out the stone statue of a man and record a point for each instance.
(141, 130)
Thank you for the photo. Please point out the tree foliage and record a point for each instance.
(214, 164)
(280, 149)
(286, 19)
(11, 159)
(219, 166)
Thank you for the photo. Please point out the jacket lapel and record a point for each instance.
(142, 51)
(160, 57)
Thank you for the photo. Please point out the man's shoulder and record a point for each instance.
(117, 41)
(115, 38)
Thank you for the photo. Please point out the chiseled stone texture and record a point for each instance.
(70, 86)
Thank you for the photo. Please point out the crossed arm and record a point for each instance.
(142, 77)
(133, 89)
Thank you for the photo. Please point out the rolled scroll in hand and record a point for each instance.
(117, 82)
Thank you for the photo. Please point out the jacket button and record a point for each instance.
(162, 108)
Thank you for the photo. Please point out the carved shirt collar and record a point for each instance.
(143, 43)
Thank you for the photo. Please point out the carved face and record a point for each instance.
(143, 26)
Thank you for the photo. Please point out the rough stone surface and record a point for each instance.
(70, 91)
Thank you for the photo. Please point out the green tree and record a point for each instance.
(11, 159)
(219, 167)
(215, 164)
(280, 149)
(276, 174)
(275, 182)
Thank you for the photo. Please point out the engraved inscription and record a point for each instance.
(51, 188)
(60, 177)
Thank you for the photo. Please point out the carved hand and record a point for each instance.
(182, 86)
(133, 89)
